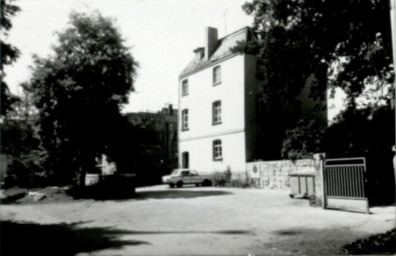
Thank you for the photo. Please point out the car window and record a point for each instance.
(175, 172)
(185, 173)
(194, 173)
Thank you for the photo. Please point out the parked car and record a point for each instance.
(179, 177)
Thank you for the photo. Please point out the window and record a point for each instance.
(216, 110)
(216, 75)
(185, 87)
(217, 150)
(184, 120)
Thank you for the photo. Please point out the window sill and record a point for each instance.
(183, 95)
(186, 129)
(217, 123)
(217, 83)
(218, 159)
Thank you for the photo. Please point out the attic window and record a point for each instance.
(185, 87)
(216, 75)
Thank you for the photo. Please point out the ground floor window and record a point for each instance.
(217, 150)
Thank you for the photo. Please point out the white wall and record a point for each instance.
(202, 94)
(198, 139)
(201, 153)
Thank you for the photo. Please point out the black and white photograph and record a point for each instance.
(201, 127)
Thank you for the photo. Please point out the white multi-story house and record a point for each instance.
(218, 104)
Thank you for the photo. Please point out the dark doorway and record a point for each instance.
(185, 160)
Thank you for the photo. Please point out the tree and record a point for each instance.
(359, 131)
(345, 44)
(78, 92)
(303, 140)
(9, 54)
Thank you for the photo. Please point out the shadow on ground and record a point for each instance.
(330, 242)
(58, 239)
(179, 193)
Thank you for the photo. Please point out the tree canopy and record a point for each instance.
(9, 53)
(343, 43)
(79, 91)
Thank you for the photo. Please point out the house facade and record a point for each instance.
(220, 116)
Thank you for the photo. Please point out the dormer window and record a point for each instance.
(185, 87)
(216, 75)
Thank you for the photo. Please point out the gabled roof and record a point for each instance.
(222, 50)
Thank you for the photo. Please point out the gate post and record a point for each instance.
(319, 179)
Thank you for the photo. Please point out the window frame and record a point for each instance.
(185, 88)
(216, 75)
(216, 114)
(184, 120)
(217, 147)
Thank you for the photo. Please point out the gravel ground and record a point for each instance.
(187, 221)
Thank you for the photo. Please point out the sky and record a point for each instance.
(161, 34)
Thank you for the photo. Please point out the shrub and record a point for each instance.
(376, 244)
(227, 179)
(222, 179)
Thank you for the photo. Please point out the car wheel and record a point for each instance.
(179, 184)
(171, 185)
(206, 183)
(197, 184)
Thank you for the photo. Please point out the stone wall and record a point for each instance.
(275, 174)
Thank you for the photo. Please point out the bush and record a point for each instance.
(226, 179)
(221, 179)
(376, 244)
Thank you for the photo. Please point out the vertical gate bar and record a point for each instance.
(354, 185)
(328, 182)
(344, 181)
(358, 179)
(349, 178)
(331, 172)
(352, 189)
(340, 170)
(332, 181)
(353, 181)
(362, 181)
(329, 188)
(338, 182)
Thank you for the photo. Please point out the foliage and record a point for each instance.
(78, 92)
(357, 131)
(345, 44)
(228, 179)
(302, 140)
(383, 244)
(221, 178)
(9, 53)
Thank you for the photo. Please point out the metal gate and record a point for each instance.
(344, 184)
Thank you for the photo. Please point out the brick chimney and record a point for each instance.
(210, 41)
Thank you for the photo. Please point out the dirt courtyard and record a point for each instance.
(188, 221)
